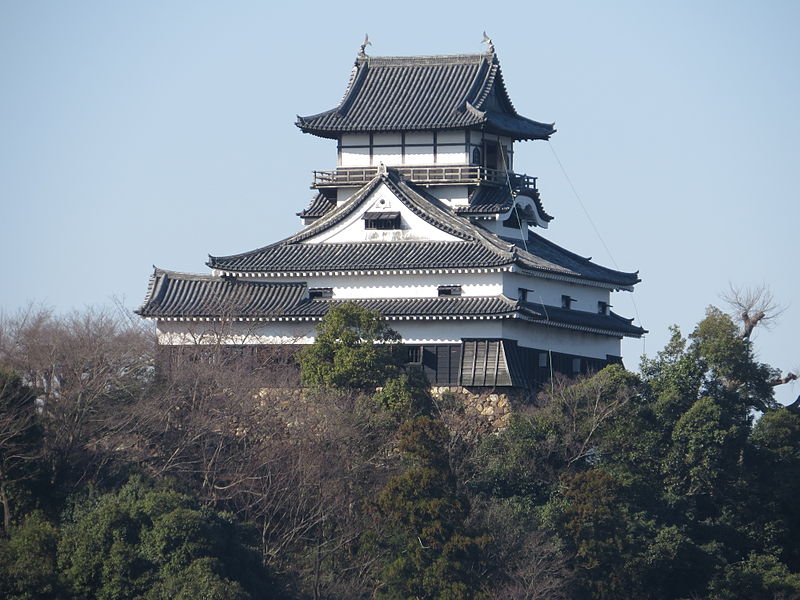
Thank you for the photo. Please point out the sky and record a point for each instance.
(146, 133)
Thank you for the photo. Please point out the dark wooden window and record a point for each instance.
(522, 295)
(566, 301)
(381, 220)
(491, 155)
(320, 293)
(602, 307)
(449, 290)
(414, 355)
(476, 156)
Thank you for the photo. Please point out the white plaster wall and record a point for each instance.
(352, 228)
(343, 194)
(549, 292)
(419, 137)
(561, 340)
(407, 286)
(413, 332)
(393, 139)
(391, 156)
(355, 157)
(196, 332)
(455, 195)
(446, 332)
(419, 155)
(455, 136)
(355, 139)
(448, 155)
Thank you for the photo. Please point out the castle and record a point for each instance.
(425, 220)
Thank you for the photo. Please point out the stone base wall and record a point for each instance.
(477, 413)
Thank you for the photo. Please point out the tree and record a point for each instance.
(28, 569)
(20, 441)
(434, 558)
(154, 542)
(354, 349)
(86, 370)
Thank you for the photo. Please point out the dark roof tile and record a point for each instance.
(182, 295)
(425, 93)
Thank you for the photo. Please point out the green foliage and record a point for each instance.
(405, 395)
(20, 444)
(152, 542)
(433, 556)
(28, 561)
(354, 349)
(706, 445)
(758, 577)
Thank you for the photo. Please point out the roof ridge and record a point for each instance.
(580, 258)
(424, 59)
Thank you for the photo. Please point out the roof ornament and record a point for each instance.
(381, 169)
(487, 40)
(363, 50)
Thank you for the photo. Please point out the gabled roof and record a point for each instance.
(320, 204)
(399, 93)
(174, 295)
(475, 248)
(490, 199)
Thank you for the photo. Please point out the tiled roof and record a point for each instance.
(487, 199)
(173, 294)
(477, 248)
(361, 256)
(578, 319)
(542, 254)
(425, 93)
(182, 295)
(445, 306)
(320, 204)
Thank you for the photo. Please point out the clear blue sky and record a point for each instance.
(141, 133)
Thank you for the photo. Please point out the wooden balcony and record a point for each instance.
(433, 175)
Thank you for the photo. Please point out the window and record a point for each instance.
(566, 301)
(449, 290)
(522, 295)
(491, 154)
(576, 365)
(476, 156)
(414, 355)
(602, 307)
(314, 293)
(381, 220)
(542, 359)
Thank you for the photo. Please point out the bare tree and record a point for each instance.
(753, 307)
(20, 440)
(84, 368)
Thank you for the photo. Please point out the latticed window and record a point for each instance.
(449, 290)
(381, 220)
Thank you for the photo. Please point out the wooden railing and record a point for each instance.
(435, 175)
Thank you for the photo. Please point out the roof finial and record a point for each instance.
(363, 50)
(381, 169)
(487, 40)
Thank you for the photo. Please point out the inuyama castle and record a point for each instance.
(426, 220)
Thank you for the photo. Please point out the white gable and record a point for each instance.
(382, 199)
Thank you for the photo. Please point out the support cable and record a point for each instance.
(596, 231)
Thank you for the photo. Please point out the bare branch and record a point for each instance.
(752, 306)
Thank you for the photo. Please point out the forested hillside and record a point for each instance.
(209, 480)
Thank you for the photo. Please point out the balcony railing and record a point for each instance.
(436, 175)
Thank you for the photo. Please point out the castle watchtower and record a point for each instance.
(445, 123)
